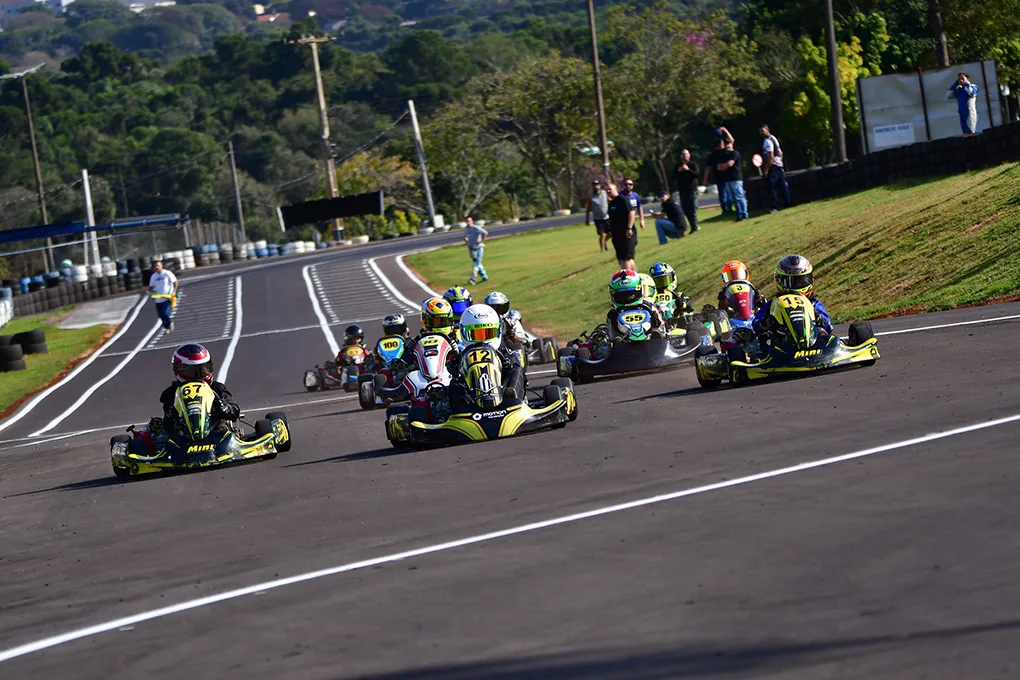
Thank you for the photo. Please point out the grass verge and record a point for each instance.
(914, 246)
(67, 347)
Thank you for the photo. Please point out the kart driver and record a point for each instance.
(354, 336)
(395, 325)
(437, 317)
(481, 324)
(627, 290)
(735, 270)
(513, 331)
(460, 299)
(193, 362)
(793, 275)
(664, 277)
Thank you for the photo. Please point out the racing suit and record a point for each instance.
(341, 357)
(759, 299)
(760, 323)
(224, 408)
(513, 330)
(658, 322)
(514, 378)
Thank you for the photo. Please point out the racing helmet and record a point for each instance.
(481, 323)
(459, 298)
(394, 324)
(353, 334)
(499, 302)
(193, 362)
(735, 270)
(664, 276)
(625, 288)
(437, 315)
(794, 275)
(647, 286)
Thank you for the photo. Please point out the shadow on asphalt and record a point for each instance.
(746, 661)
(351, 457)
(329, 415)
(77, 486)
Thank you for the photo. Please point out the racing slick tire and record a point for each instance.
(391, 410)
(311, 381)
(565, 352)
(738, 376)
(419, 413)
(120, 439)
(861, 332)
(567, 384)
(366, 391)
(280, 415)
(550, 395)
(323, 383)
(704, 351)
(262, 428)
(549, 350)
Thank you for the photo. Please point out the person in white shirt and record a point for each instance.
(163, 282)
(773, 168)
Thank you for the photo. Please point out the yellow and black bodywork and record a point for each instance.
(198, 441)
(489, 412)
(797, 347)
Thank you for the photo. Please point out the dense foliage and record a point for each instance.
(147, 102)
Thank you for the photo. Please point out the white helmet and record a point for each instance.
(499, 302)
(481, 323)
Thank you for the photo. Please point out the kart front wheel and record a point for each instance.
(366, 394)
(280, 415)
(568, 384)
(550, 350)
(704, 351)
(860, 333)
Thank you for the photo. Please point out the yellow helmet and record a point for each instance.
(437, 315)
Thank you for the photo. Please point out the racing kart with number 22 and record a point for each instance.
(331, 374)
(197, 441)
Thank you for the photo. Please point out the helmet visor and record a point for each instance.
(626, 297)
(663, 281)
(481, 333)
(794, 281)
(459, 306)
(735, 274)
(195, 371)
(501, 308)
(437, 321)
(394, 328)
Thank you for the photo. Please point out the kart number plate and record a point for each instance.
(390, 345)
(634, 318)
(739, 288)
(430, 341)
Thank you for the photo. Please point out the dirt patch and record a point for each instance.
(110, 330)
(985, 222)
(903, 285)
(922, 309)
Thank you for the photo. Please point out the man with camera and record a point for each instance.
(966, 102)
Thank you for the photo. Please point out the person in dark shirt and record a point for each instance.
(726, 163)
(621, 227)
(686, 178)
(671, 224)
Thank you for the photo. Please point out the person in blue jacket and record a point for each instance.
(965, 93)
(793, 275)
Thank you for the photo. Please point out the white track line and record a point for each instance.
(99, 383)
(46, 643)
(411, 275)
(1012, 317)
(411, 304)
(27, 408)
(334, 346)
(228, 358)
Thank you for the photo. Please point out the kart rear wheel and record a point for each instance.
(311, 381)
(323, 381)
(280, 415)
(693, 339)
(550, 350)
(120, 439)
(123, 473)
(366, 393)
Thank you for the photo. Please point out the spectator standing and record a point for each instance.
(726, 163)
(163, 282)
(686, 177)
(671, 224)
(966, 102)
(598, 210)
(635, 202)
(774, 169)
(474, 237)
(621, 226)
(728, 140)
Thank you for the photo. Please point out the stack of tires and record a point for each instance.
(227, 253)
(240, 251)
(261, 249)
(133, 276)
(13, 349)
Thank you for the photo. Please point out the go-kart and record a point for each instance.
(793, 345)
(630, 345)
(196, 441)
(343, 374)
(483, 408)
(536, 350)
(390, 351)
(430, 355)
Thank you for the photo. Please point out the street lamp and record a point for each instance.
(35, 155)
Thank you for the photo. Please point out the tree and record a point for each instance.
(675, 73)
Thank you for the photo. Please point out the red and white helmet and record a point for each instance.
(193, 362)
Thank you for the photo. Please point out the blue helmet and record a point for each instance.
(459, 298)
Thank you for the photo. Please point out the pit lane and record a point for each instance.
(900, 563)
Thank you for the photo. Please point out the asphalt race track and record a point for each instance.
(894, 557)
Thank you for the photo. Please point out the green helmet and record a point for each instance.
(625, 288)
(664, 276)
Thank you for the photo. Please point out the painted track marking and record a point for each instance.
(238, 313)
(334, 346)
(27, 408)
(99, 383)
(411, 275)
(936, 327)
(411, 304)
(46, 643)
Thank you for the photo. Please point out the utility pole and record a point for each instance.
(237, 193)
(90, 217)
(835, 96)
(421, 161)
(603, 141)
(323, 119)
(35, 158)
